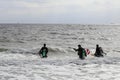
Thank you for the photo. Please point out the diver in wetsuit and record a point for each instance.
(43, 51)
(81, 52)
(99, 52)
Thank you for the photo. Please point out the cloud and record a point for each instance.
(59, 6)
(57, 9)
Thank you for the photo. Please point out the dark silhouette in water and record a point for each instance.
(43, 51)
(99, 52)
(81, 52)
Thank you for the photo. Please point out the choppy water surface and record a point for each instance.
(19, 44)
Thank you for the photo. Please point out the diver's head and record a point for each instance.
(44, 45)
(79, 46)
(97, 45)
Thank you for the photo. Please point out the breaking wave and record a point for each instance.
(52, 50)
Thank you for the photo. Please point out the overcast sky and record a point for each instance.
(60, 11)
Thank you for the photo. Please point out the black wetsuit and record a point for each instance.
(81, 53)
(99, 52)
(43, 49)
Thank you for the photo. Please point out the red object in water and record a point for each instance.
(87, 51)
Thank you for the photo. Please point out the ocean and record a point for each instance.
(20, 44)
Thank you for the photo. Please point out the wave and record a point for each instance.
(68, 51)
(4, 40)
(52, 51)
(3, 49)
(56, 49)
(77, 61)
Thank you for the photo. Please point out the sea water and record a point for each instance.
(20, 44)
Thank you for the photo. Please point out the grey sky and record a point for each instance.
(60, 11)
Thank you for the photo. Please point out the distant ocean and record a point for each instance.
(20, 43)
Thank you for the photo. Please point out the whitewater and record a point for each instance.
(20, 44)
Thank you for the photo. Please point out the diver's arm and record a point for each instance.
(41, 50)
(46, 50)
(75, 49)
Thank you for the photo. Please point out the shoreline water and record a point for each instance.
(20, 43)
